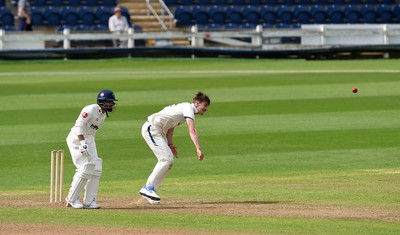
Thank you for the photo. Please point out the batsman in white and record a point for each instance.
(158, 132)
(81, 144)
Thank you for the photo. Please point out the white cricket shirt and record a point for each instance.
(116, 24)
(172, 116)
(88, 123)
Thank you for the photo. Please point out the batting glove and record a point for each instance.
(84, 148)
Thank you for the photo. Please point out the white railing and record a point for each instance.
(312, 36)
(164, 11)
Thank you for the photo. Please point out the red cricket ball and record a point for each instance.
(355, 90)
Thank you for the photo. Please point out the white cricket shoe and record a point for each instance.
(76, 204)
(149, 193)
(92, 205)
(152, 202)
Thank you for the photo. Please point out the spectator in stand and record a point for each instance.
(118, 24)
(24, 15)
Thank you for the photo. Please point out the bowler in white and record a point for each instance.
(158, 133)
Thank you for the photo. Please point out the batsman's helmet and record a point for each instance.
(105, 96)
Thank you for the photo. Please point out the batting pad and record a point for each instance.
(81, 177)
(92, 186)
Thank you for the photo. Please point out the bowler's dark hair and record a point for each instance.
(201, 97)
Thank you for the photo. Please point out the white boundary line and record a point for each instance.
(194, 72)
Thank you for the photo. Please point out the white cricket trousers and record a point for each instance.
(92, 185)
(158, 143)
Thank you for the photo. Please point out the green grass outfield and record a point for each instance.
(284, 140)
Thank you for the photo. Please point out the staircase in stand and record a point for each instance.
(139, 16)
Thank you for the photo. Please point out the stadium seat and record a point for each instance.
(396, 11)
(81, 27)
(352, 14)
(270, 2)
(282, 26)
(268, 14)
(302, 14)
(91, 3)
(306, 2)
(74, 3)
(369, 14)
(247, 26)
(288, 2)
(40, 3)
(61, 28)
(217, 15)
(109, 3)
(37, 16)
(238, 2)
(319, 14)
(339, 2)
(372, 2)
(250, 14)
(51, 16)
(214, 26)
(8, 27)
(86, 15)
(103, 14)
(221, 2)
(200, 15)
(285, 14)
(234, 14)
(336, 14)
(354, 2)
(203, 2)
(267, 26)
(186, 2)
(56, 3)
(6, 18)
(171, 2)
(99, 27)
(69, 15)
(231, 26)
(254, 2)
(322, 2)
(385, 14)
(183, 15)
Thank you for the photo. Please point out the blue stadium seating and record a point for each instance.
(336, 14)
(268, 14)
(396, 11)
(369, 14)
(2, 3)
(302, 14)
(100, 27)
(204, 2)
(40, 3)
(74, 3)
(6, 17)
(247, 26)
(86, 15)
(91, 3)
(231, 26)
(352, 14)
(37, 17)
(254, 2)
(319, 14)
(183, 15)
(221, 2)
(354, 2)
(217, 15)
(285, 14)
(200, 15)
(386, 14)
(234, 14)
(103, 14)
(250, 14)
(267, 26)
(322, 2)
(69, 15)
(8, 27)
(213, 26)
(186, 2)
(288, 2)
(52, 16)
(109, 3)
(56, 3)
(237, 2)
